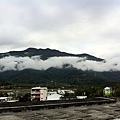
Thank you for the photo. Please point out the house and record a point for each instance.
(5, 99)
(61, 92)
(39, 93)
(54, 97)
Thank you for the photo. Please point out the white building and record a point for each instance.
(5, 99)
(51, 93)
(54, 97)
(62, 92)
(39, 93)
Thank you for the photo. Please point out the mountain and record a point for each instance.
(49, 66)
(54, 76)
(42, 59)
(46, 53)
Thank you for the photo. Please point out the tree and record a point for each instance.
(24, 98)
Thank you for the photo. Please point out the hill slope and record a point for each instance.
(54, 76)
(48, 66)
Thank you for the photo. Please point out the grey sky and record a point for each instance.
(75, 26)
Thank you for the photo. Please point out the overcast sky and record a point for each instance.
(74, 26)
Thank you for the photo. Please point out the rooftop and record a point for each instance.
(39, 88)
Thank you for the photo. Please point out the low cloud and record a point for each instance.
(20, 63)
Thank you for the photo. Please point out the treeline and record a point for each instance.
(4, 83)
(97, 91)
(89, 91)
(54, 76)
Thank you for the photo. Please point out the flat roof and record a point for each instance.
(39, 88)
(5, 97)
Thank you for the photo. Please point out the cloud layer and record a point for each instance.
(75, 26)
(20, 63)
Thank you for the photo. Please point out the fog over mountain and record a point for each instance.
(35, 61)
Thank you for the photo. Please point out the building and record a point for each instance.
(51, 93)
(62, 92)
(107, 92)
(54, 96)
(39, 93)
(5, 99)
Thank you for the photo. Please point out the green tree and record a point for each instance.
(26, 97)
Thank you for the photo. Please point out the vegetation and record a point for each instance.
(54, 77)
(4, 83)
(89, 83)
(67, 75)
(25, 97)
(23, 94)
(88, 91)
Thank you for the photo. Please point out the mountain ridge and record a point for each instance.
(45, 65)
(46, 53)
